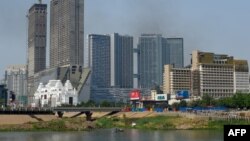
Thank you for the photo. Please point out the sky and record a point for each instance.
(219, 26)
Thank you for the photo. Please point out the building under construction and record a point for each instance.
(37, 31)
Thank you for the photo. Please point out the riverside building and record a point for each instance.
(176, 79)
(218, 75)
(55, 94)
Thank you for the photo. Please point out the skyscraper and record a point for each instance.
(114, 56)
(121, 61)
(99, 60)
(155, 51)
(37, 30)
(111, 63)
(151, 60)
(66, 32)
(175, 48)
(37, 20)
(15, 79)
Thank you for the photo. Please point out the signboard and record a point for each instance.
(161, 97)
(184, 94)
(135, 95)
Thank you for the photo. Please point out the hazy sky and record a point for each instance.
(220, 26)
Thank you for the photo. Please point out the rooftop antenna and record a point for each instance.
(40, 1)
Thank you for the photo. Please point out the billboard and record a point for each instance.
(183, 94)
(135, 95)
(161, 97)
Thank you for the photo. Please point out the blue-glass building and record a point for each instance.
(99, 60)
(154, 51)
(150, 60)
(175, 48)
(121, 61)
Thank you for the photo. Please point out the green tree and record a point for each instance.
(175, 106)
(106, 104)
(207, 100)
(237, 100)
(195, 103)
(90, 103)
(183, 103)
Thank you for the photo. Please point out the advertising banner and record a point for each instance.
(161, 97)
(182, 94)
(135, 95)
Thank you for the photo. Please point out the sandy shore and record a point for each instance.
(21, 119)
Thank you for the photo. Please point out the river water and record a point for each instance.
(111, 135)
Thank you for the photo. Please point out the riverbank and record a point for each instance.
(58, 124)
(168, 123)
(139, 120)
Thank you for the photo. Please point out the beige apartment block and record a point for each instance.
(212, 74)
(176, 79)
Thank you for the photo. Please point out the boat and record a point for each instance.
(118, 130)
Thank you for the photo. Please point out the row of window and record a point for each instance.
(217, 90)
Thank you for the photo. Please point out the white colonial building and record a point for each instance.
(55, 94)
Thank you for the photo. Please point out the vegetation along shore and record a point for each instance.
(139, 120)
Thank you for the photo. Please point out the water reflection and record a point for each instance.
(111, 135)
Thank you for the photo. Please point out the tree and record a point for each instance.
(175, 106)
(195, 103)
(183, 103)
(207, 100)
(105, 104)
(90, 103)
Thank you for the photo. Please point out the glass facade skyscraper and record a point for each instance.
(99, 60)
(150, 60)
(111, 59)
(154, 51)
(175, 48)
(121, 61)
(111, 63)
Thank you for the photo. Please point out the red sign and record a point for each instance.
(135, 95)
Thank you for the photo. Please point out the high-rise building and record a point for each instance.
(66, 32)
(217, 75)
(37, 30)
(37, 23)
(175, 48)
(151, 59)
(15, 79)
(3, 95)
(176, 79)
(111, 63)
(121, 61)
(99, 60)
(212, 74)
(241, 76)
(154, 51)
(112, 55)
